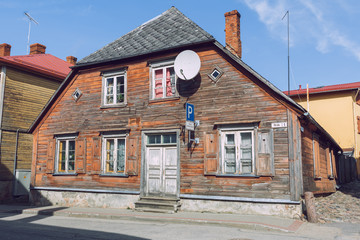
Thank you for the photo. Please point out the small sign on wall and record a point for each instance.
(279, 125)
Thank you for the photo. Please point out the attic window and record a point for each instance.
(77, 94)
(215, 74)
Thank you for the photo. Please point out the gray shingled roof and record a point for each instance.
(171, 29)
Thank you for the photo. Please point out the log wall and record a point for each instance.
(236, 97)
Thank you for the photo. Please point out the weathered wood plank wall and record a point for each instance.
(24, 97)
(234, 98)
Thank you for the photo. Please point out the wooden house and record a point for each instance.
(27, 83)
(114, 134)
(343, 124)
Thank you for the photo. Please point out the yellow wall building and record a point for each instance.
(337, 109)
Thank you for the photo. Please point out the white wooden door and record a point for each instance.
(162, 172)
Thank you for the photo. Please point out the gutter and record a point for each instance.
(276, 90)
(45, 72)
(354, 120)
(2, 92)
(259, 77)
(318, 126)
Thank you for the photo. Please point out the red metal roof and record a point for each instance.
(43, 63)
(324, 89)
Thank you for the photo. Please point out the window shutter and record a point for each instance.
(265, 153)
(358, 124)
(333, 163)
(132, 156)
(316, 155)
(211, 154)
(50, 156)
(80, 155)
(96, 155)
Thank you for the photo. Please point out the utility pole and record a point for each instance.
(288, 35)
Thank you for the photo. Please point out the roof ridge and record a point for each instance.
(173, 25)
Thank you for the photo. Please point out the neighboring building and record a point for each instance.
(113, 135)
(27, 83)
(337, 109)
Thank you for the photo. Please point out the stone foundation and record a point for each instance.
(116, 200)
(247, 208)
(82, 199)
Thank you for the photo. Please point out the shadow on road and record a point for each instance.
(15, 228)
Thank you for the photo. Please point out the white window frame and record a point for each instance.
(162, 65)
(57, 160)
(104, 154)
(237, 143)
(114, 75)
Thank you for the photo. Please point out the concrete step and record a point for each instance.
(144, 209)
(157, 204)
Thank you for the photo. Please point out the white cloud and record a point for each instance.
(310, 21)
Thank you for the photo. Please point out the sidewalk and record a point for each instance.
(253, 222)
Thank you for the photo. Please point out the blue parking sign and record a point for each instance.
(190, 115)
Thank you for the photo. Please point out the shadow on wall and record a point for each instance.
(347, 170)
(14, 189)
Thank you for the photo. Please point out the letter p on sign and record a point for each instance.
(190, 116)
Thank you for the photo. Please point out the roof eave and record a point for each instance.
(313, 121)
(50, 102)
(79, 65)
(330, 91)
(17, 65)
(259, 77)
(276, 90)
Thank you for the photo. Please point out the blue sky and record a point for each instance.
(324, 34)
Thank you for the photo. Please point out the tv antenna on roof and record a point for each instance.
(288, 41)
(31, 19)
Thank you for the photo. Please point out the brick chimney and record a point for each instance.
(71, 59)
(232, 32)
(37, 48)
(5, 50)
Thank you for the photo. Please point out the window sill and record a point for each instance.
(120, 105)
(113, 175)
(65, 174)
(164, 99)
(237, 175)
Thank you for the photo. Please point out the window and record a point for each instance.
(162, 139)
(215, 74)
(316, 156)
(113, 160)
(76, 94)
(163, 81)
(114, 88)
(65, 155)
(237, 152)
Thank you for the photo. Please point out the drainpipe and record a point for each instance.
(15, 160)
(2, 90)
(355, 132)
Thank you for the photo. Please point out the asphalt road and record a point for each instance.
(39, 227)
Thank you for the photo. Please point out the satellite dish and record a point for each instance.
(187, 65)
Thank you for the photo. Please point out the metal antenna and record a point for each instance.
(288, 15)
(30, 20)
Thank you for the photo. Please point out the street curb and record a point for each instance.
(292, 228)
